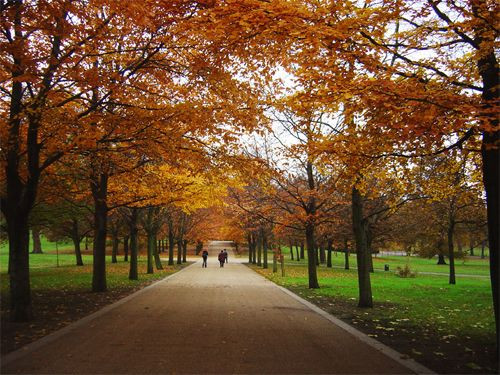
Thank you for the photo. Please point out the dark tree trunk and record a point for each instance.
(369, 239)
(20, 291)
(75, 236)
(291, 250)
(441, 260)
(297, 252)
(483, 245)
(302, 251)
(156, 255)
(150, 246)
(311, 257)
(275, 261)
(359, 226)
(116, 242)
(99, 186)
(184, 250)
(171, 243)
(471, 247)
(316, 255)
(86, 243)
(346, 254)
(37, 244)
(249, 240)
(125, 248)
(179, 251)
(254, 249)
(259, 249)
(264, 246)
(322, 255)
(329, 255)
(451, 255)
(133, 272)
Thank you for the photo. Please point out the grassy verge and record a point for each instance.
(466, 266)
(449, 328)
(61, 295)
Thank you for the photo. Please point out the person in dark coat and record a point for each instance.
(221, 258)
(205, 257)
(225, 256)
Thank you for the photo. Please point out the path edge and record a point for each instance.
(409, 363)
(19, 353)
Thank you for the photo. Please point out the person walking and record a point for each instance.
(205, 257)
(221, 258)
(225, 256)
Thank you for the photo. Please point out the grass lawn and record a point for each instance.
(467, 266)
(449, 328)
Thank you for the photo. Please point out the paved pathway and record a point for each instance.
(201, 321)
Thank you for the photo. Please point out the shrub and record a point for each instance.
(405, 271)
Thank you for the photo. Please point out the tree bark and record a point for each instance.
(264, 246)
(133, 272)
(171, 242)
(359, 226)
(125, 248)
(311, 257)
(249, 240)
(99, 187)
(116, 242)
(291, 250)
(322, 255)
(156, 256)
(451, 255)
(259, 249)
(346, 254)
(302, 251)
(75, 236)
(329, 254)
(297, 251)
(150, 246)
(37, 244)
(184, 250)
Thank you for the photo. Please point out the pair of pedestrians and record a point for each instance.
(222, 258)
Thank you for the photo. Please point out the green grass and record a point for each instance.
(467, 266)
(424, 300)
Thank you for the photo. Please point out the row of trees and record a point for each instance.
(138, 99)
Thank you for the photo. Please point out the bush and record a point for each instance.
(405, 271)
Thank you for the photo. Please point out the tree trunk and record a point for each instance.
(264, 245)
(329, 255)
(297, 251)
(156, 255)
(483, 243)
(359, 226)
(125, 248)
(184, 251)
(311, 257)
(249, 240)
(441, 260)
(99, 186)
(133, 273)
(322, 255)
(302, 251)
(451, 255)
(369, 239)
(291, 250)
(116, 242)
(346, 254)
(37, 244)
(171, 243)
(275, 261)
(151, 244)
(75, 236)
(259, 249)
(471, 247)
(316, 255)
(254, 249)
(179, 251)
